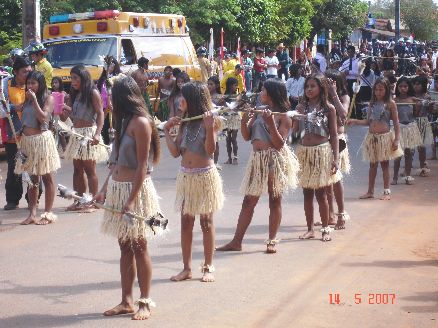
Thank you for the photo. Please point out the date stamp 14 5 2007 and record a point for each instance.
(370, 298)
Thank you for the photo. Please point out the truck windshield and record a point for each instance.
(85, 51)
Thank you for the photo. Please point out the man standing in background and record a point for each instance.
(284, 60)
(272, 64)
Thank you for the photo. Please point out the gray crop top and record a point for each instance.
(378, 112)
(83, 111)
(405, 113)
(259, 130)
(128, 154)
(316, 122)
(30, 120)
(193, 138)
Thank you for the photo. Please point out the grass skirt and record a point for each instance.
(344, 156)
(145, 204)
(233, 121)
(378, 147)
(425, 131)
(77, 148)
(410, 136)
(41, 154)
(282, 164)
(316, 164)
(198, 191)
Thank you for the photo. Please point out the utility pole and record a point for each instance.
(31, 27)
(397, 20)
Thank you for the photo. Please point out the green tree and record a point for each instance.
(341, 16)
(10, 27)
(421, 17)
(383, 9)
(296, 16)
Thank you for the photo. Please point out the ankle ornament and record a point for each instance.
(146, 301)
(207, 268)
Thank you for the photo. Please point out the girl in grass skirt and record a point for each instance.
(39, 156)
(198, 184)
(381, 144)
(129, 189)
(272, 167)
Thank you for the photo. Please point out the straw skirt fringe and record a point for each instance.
(41, 154)
(410, 137)
(344, 156)
(199, 192)
(145, 204)
(378, 147)
(425, 131)
(233, 122)
(316, 164)
(283, 165)
(77, 148)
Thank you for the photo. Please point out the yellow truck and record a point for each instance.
(83, 38)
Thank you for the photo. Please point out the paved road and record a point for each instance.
(66, 274)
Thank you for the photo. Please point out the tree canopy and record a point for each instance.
(264, 22)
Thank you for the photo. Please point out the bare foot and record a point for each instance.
(340, 225)
(230, 247)
(270, 249)
(308, 235)
(122, 308)
(30, 220)
(207, 277)
(185, 274)
(332, 221)
(394, 182)
(385, 197)
(143, 312)
(43, 222)
(326, 237)
(368, 195)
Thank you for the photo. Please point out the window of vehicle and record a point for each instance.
(162, 51)
(85, 51)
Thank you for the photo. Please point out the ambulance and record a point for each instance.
(85, 38)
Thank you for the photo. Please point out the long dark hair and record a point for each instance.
(387, 85)
(87, 85)
(104, 76)
(335, 75)
(128, 101)
(421, 80)
(276, 90)
(185, 77)
(407, 80)
(216, 82)
(229, 83)
(198, 98)
(61, 84)
(321, 80)
(42, 92)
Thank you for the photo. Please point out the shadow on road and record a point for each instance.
(423, 297)
(47, 320)
(56, 293)
(393, 264)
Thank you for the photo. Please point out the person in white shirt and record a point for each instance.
(295, 85)
(272, 64)
(434, 58)
(350, 68)
(320, 58)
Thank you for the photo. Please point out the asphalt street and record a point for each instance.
(66, 274)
